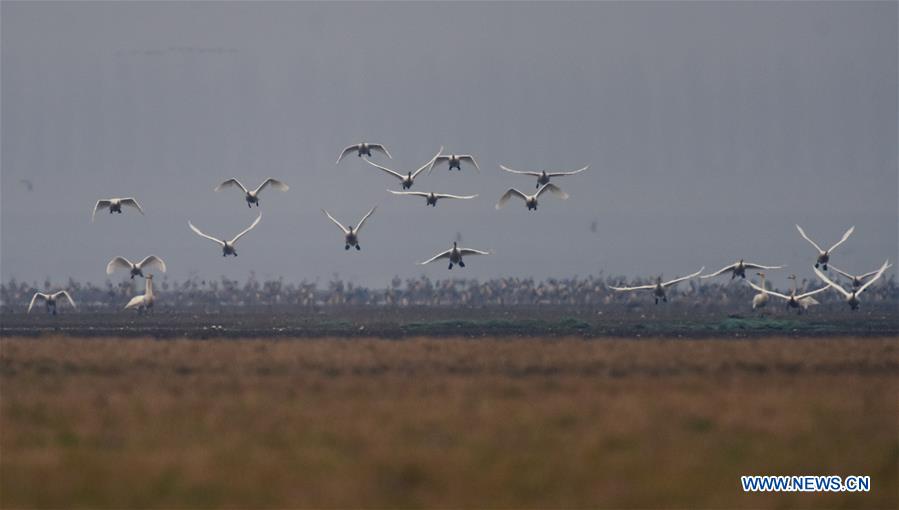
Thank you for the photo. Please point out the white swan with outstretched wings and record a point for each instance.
(408, 179)
(227, 246)
(531, 200)
(455, 255)
(252, 196)
(350, 233)
(115, 205)
(136, 269)
(543, 176)
(824, 255)
(50, 299)
(659, 287)
(363, 149)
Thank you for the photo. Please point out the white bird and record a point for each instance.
(543, 176)
(431, 197)
(824, 255)
(852, 297)
(531, 200)
(351, 234)
(455, 255)
(857, 280)
(252, 196)
(739, 269)
(760, 300)
(143, 302)
(455, 161)
(799, 301)
(659, 287)
(409, 178)
(115, 205)
(227, 246)
(364, 149)
(135, 269)
(50, 300)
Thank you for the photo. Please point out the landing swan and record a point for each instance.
(856, 280)
(824, 255)
(455, 255)
(252, 196)
(739, 269)
(363, 149)
(431, 198)
(408, 179)
(350, 234)
(115, 205)
(852, 297)
(658, 288)
(50, 299)
(135, 269)
(531, 200)
(455, 161)
(543, 177)
(227, 246)
(144, 301)
(798, 301)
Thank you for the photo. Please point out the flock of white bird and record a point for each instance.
(456, 254)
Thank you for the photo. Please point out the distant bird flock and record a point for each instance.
(455, 255)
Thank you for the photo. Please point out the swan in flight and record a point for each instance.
(531, 200)
(799, 301)
(252, 196)
(350, 234)
(857, 280)
(455, 161)
(143, 302)
(455, 255)
(543, 177)
(739, 269)
(658, 288)
(431, 198)
(115, 205)
(824, 255)
(364, 149)
(227, 246)
(50, 300)
(852, 297)
(409, 178)
(135, 269)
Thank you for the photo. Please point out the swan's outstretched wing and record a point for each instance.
(766, 291)
(723, 269)
(230, 183)
(468, 158)
(472, 251)
(460, 197)
(415, 193)
(811, 293)
(628, 289)
(201, 234)
(274, 183)
(34, 298)
(828, 281)
(385, 169)
(748, 265)
(152, 260)
(344, 152)
(362, 221)
(101, 204)
(380, 148)
(443, 255)
(560, 174)
(877, 275)
(870, 273)
(847, 275)
(251, 227)
(118, 263)
(131, 202)
(535, 174)
(682, 278)
(555, 190)
(342, 228)
(67, 296)
(512, 192)
(438, 160)
(429, 165)
(802, 232)
(843, 239)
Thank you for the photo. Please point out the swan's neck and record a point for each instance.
(149, 287)
(763, 280)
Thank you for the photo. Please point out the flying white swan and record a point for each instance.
(135, 269)
(824, 255)
(143, 302)
(543, 176)
(408, 179)
(431, 198)
(455, 255)
(856, 280)
(350, 234)
(531, 200)
(799, 301)
(50, 300)
(658, 288)
(455, 161)
(252, 196)
(227, 246)
(115, 205)
(364, 149)
(739, 269)
(852, 297)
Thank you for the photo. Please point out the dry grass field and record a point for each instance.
(450, 422)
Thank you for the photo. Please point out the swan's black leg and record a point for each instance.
(816, 264)
(665, 299)
(657, 300)
(825, 267)
(347, 247)
(358, 248)
(451, 265)
(461, 264)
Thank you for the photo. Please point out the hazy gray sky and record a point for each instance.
(711, 128)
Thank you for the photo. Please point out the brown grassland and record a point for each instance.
(450, 422)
